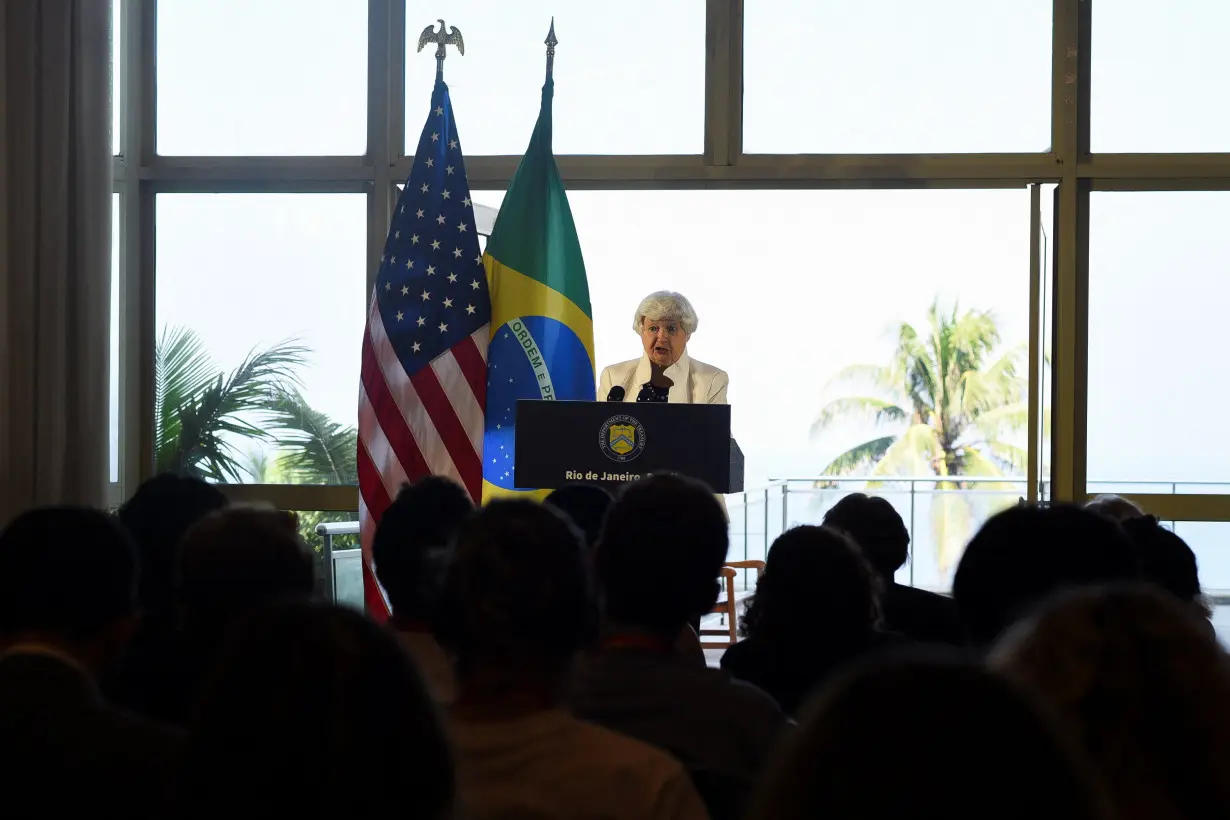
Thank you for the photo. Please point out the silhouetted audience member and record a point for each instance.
(586, 505)
(1167, 561)
(816, 609)
(1024, 555)
(68, 606)
(519, 605)
(878, 530)
(1144, 687)
(411, 549)
(157, 516)
(315, 711)
(234, 562)
(658, 560)
(926, 738)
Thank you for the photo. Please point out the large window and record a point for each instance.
(896, 76)
(260, 216)
(872, 263)
(261, 294)
(262, 77)
(629, 79)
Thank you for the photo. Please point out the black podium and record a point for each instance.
(611, 443)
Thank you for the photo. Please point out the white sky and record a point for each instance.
(790, 285)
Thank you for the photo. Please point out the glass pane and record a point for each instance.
(616, 92)
(1159, 280)
(896, 76)
(113, 378)
(1210, 540)
(277, 277)
(1157, 69)
(265, 77)
(116, 85)
(875, 259)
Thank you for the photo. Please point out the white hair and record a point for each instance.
(663, 305)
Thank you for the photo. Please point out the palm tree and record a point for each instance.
(950, 411)
(315, 449)
(200, 412)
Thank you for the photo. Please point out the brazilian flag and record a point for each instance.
(542, 330)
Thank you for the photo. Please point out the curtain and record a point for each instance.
(55, 248)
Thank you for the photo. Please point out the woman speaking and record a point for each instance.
(664, 373)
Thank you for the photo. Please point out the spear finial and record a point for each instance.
(551, 44)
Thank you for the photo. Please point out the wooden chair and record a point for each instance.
(728, 604)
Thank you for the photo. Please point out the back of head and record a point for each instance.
(518, 589)
(1114, 507)
(1024, 555)
(239, 559)
(816, 585)
(877, 528)
(662, 547)
(157, 516)
(1145, 688)
(315, 711)
(1165, 559)
(585, 504)
(413, 543)
(866, 748)
(66, 574)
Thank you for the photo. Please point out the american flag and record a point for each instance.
(424, 374)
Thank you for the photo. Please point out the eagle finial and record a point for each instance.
(452, 38)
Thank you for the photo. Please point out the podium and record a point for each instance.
(612, 443)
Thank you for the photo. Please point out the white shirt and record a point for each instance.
(551, 765)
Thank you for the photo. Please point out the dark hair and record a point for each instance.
(157, 516)
(662, 548)
(315, 711)
(877, 528)
(1024, 555)
(1142, 683)
(519, 585)
(585, 504)
(65, 571)
(866, 747)
(239, 559)
(413, 543)
(815, 582)
(1165, 559)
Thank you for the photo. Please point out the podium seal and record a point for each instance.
(621, 438)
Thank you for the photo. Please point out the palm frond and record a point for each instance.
(860, 457)
(182, 370)
(316, 449)
(865, 408)
(914, 453)
(228, 409)
(874, 376)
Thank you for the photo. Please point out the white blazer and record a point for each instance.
(693, 382)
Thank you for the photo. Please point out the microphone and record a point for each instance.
(616, 394)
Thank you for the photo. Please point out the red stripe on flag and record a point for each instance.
(473, 367)
(389, 415)
(376, 499)
(452, 433)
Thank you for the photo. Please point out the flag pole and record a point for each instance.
(551, 44)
